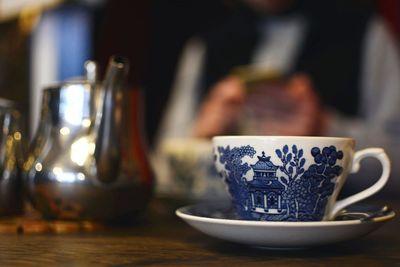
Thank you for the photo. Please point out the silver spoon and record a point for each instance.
(363, 216)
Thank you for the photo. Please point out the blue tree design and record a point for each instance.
(307, 191)
(293, 166)
(232, 159)
(293, 163)
(320, 176)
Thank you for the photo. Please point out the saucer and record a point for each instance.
(219, 220)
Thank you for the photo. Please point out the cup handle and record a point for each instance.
(377, 153)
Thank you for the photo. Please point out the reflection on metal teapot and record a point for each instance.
(87, 160)
(10, 159)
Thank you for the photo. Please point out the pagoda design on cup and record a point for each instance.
(280, 187)
(265, 189)
(291, 178)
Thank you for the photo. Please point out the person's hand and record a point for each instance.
(283, 108)
(219, 113)
(271, 108)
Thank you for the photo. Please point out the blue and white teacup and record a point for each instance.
(290, 178)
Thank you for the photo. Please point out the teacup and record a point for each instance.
(291, 178)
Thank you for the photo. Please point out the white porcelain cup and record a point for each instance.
(291, 178)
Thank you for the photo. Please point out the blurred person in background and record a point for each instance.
(335, 70)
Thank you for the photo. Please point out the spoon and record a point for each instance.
(364, 216)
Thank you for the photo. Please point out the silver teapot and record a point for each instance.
(88, 159)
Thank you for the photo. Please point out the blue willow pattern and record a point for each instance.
(296, 195)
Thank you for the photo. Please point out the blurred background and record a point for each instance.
(43, 41)
(46, 41)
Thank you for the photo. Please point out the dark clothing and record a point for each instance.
(331, 53)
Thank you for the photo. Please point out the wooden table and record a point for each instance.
(162, 239)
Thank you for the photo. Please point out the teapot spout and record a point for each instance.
(108, 144)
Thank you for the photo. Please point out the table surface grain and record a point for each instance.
(162, 239)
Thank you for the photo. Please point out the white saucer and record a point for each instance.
(218, 220)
